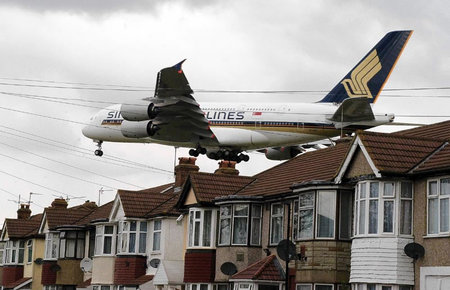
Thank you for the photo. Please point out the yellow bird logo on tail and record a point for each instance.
(361, 75)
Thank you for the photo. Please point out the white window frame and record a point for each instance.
(123, 247)
(274, 216)
(2, 251)
(100, 236)
(253, 218)
(295, 219)
(197, 286)
(228, 217)
(154, 233)
(234, 218)
(363, 286)
(51, 245)
(79, 246)
(29, 251)
(192, 227)
(395, 198)
(316, 216)
(438, 197)
(12, 251)
(307, 208)
(297, 286)
(103, 287)
(404, 198)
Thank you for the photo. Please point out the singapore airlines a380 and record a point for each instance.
(226, 131)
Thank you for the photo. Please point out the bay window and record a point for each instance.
(2, 252)
(306, 215)
(105, 240)
(326, 213)
(201, 231)
(29, 251)
(51, 245)
(438, 206)
(237, 221)
(382, 205)
(132, 237)
(14, 252)
(71, 244)
(276, 223)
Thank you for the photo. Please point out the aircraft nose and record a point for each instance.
(86, 131)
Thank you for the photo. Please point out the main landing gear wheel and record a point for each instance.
(99, 151)
(198, 151)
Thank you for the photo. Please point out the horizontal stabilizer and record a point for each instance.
(353, 110)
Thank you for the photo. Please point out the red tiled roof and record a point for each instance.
(101, 212)
(57, 216)
(208, 186)
(149, 202)
(395, 153)
(21, 228)
(321, 164)
(266, 269)
(436, 131)
(438, 161)
(17, 282)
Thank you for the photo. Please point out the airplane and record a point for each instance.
(227, 130)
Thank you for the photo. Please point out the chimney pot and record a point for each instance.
(227, 167)
(24, 212)
(59, 203)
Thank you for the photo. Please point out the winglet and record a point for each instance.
(178, 66)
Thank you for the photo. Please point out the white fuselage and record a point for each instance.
(245, 126)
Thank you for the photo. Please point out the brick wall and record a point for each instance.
(199, 266)
(11, 274)
(128, 268)
(48, 273)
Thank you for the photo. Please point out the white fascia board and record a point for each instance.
(347, 161)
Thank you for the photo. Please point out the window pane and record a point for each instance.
(371, 286)
(197, 233)
(191, 228)
(373, 216)
(142, 242)
(143, 226)
(133, 226)
(388, 224)
(306, 224)
(445, 186)
(207, 228)
(70, 248)
(362, 190)
(256, 210)
(388, 189)
(386, 287)
(156, 241)
(277, 209)
(157, 225)
(21, 255)
(80, 248)
(241, 210)
(132, 243)
(203, 286)
(304, 287)
(240, 231)
(277, 230)
(345, 215)
(405, 287)
(326, 212)
(107, 245)
(406, 190)
(362, 217)
(406, 217)
(225, 231)
(374, 189)
(444, 215)
(433, 216)
(256, 228)
(324, 287)
(432, 188)
(307, 199)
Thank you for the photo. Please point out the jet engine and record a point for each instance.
(282, 153)
(139, 112)
(139, 129)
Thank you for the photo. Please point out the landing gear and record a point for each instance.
(229, 156)
(198, 151)
(99, 151)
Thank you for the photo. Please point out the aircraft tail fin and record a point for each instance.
(369, 76)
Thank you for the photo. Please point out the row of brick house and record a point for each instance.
(350, 209)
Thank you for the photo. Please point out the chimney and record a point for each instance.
(90, 204)
(227, 167)
(59, 203)
(185, 166)
(24, 212)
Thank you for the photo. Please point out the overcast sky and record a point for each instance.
(229, 45)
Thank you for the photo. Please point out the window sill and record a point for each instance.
(444, 235)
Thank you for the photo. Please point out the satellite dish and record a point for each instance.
(286, 250)
(55, 268)
(414, 250)
(39, 261)
(228, 268)
(154, 263)
(86, 265)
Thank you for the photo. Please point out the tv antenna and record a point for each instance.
(100, 192)
(16, 201)
(29, 198)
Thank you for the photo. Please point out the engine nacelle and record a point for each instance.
(140, 129)
(283, 153)
(138, 112)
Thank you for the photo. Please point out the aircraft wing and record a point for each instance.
(176, 110)
(353, 110)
